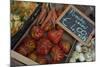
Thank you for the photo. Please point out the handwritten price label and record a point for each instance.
(77, 24)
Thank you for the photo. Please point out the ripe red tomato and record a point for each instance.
(36, 32)
(65, 46)
(57, 54)
(43, 46)
(55, 35)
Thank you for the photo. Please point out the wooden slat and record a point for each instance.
(22, 58)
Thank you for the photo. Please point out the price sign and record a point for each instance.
(77, 24)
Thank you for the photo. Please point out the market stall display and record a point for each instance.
(44, 39)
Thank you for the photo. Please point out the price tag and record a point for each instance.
(77, 24)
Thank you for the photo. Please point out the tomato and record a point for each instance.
(65, 46)
(42, 60)
(36, 32)
(22, 50)
(43, 46)
(57, 54)
(26, 46)
(55, 35)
